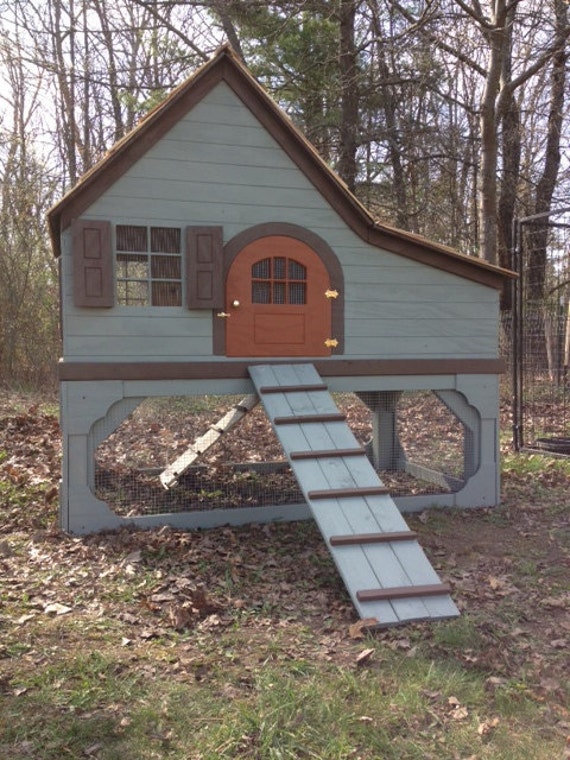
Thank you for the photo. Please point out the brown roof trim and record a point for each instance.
(133, 146)
(237, 370)
(227, 67)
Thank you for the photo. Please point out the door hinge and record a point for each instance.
(331, 342)
(331, 293)
(223, 314)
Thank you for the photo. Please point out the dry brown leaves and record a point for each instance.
(509, 570)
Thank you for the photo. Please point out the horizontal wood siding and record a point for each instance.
(388, 327)
(218, 166)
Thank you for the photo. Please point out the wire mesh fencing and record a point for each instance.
(246, 467)
(541, 334)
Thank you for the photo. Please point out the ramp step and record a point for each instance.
(353, 539)
(402, 592)
(347, 493)
(299, 419)
(372, 546)
(326, 453)
(293, 388)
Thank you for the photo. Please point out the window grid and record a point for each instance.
(278, 280)
(149, 265)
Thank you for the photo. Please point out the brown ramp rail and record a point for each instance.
(386, 572)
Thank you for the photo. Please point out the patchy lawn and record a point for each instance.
(242, 642)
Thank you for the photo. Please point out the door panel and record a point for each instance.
(275, 298)
(273, 330)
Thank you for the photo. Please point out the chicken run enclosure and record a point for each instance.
(245, 466)
(541, 334)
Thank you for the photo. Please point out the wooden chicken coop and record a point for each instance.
(212, 260)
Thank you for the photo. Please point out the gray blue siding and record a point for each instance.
(218, 166)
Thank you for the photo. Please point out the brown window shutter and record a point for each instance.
(204, 268)
(92, 264)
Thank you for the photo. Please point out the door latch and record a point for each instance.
(331, 342)
(223, 314)
(331, 293)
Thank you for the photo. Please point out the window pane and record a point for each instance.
(132, 293)
(132, 267)
(131, 238)
(142, 278)
(121, 293)
(278, 292)
(297, 271)
(165, 239)
(260, 292)
(166, 294)
(261, 270)
(285, 281)
(297, 293)
(279, 268)
(165, 267)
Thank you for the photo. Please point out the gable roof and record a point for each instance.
(225, 66)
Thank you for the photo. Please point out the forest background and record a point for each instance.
(448, 118)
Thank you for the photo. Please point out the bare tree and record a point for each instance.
(28, 278)
(349, 95)
(503, 26)
(552, 155)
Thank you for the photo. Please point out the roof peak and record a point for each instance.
(227, 66)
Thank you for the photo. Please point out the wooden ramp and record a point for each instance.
(386, 572)
(170, 476)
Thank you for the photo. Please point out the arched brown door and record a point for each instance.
(276, 302)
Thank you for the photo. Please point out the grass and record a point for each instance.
(525, 463)
(19, 400)
(88, 698)
(274, 671)
(114, 707)
(76, 691)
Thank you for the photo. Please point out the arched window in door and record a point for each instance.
(279, 280)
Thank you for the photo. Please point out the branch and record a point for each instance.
(420, 25)
(476, 14)
(524, 76)
(175, 30)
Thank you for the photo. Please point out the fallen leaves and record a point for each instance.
(363, 626)
(35, 457)
(279, 579)
(559, 602)
(193, 606)
(457, 710)
(487, 726)
(55, 608)
(364, 656)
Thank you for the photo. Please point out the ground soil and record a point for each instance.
(509, 568)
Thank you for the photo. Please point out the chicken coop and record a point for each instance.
(243, 342)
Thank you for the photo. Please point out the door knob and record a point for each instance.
(235, 303)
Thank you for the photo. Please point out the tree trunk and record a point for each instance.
(511, 155)
(389, 110)
(347, 166)
(489, 143)
(547, 181)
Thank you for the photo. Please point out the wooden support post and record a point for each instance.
(384, 448)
